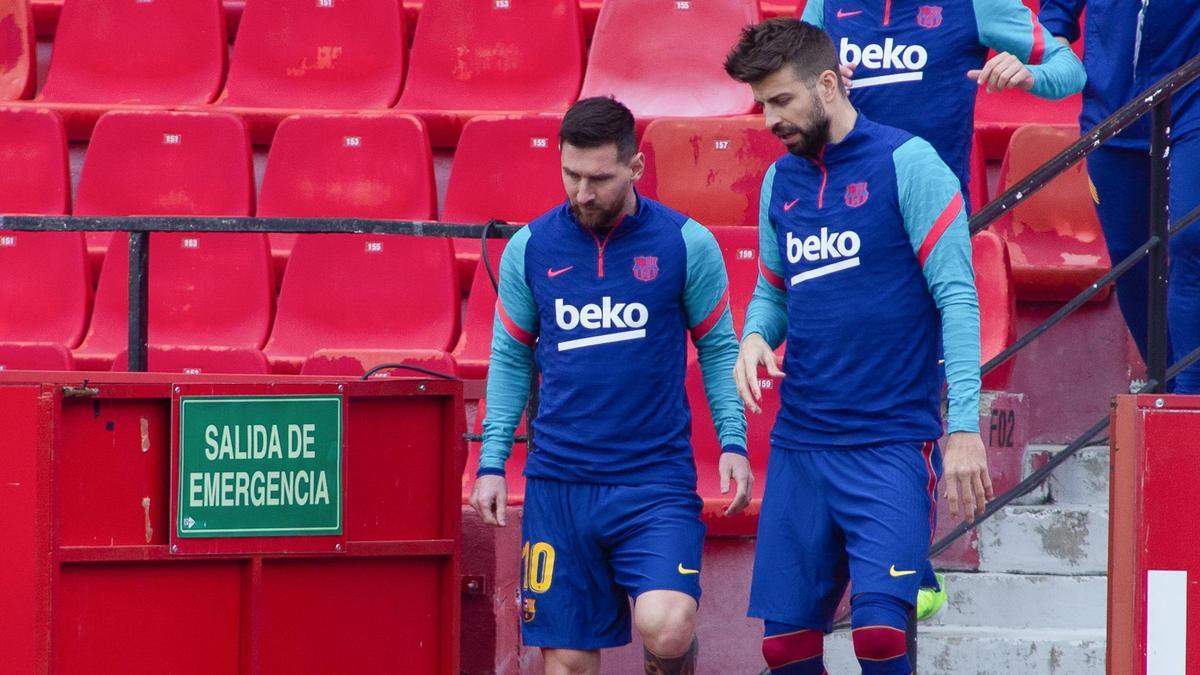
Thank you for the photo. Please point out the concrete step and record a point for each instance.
(1083, 479)
(1048, 539)
(1025, 601)
(947, 650)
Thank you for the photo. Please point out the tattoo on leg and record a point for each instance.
(680, 665)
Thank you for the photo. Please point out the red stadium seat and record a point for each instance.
(1054, 237)
(293, 55)
(365, 292)
(474, 348)
(357, 363)
(33, 152)
(34, 356)
(663, 58)
(200, 360)
(45, 287)
(997, 304)
(164, 164)
(708, 451)
(739, 248)
(977, 181)
(492, 150)
(711, 169)
(109, 54)
(206, 289)
(471, 57)
(18, 50)
(514, 470)
(347, 166)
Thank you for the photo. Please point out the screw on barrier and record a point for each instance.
(174, 548)
(176, 390)
(338, 547)
(341, 387)
(420, 387)
(1158, 403)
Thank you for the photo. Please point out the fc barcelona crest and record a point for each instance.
(856, 194)
(929, 16)
(645, 267)
(528, 609)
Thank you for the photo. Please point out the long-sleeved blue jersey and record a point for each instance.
(1128, 45)
(865, 261)
(911, 59)
(607, 318)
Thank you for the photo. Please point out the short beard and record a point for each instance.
(595, 219)
(816, 136)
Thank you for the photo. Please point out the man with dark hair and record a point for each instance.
(917, 66)
(865, 263)
(602, 291)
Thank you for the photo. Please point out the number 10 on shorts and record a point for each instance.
(537, 566)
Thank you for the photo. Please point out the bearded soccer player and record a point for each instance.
(603, 292)
(917, 65)
(865, 268)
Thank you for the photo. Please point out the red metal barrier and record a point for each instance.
(90, 583)
(1154, 553)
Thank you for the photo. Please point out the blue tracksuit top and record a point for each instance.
(911, 60)
(865, 263)
(607, 318)
(1128, 45)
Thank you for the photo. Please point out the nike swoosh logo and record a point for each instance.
(900, 573)
(844, 14)
(788, 206)
(684, 570)
(553, 273)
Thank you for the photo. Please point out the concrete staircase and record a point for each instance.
(1037, 604)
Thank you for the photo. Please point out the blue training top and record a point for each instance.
(607, 319)
(912, 59)
(1129, 45)
(865, 261)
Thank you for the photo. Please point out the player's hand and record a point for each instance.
(736, 467)
(846, 70)
(1003, 71)
(965, 472)
(754, 352)
(489, 498)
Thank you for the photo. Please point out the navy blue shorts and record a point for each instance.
(587, 548)
(862, 515)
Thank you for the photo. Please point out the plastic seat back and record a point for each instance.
(33, 152)
(997, 304)
(317, 54)
(711, 169)
(664, 57)
(137, 51)
(18, 50)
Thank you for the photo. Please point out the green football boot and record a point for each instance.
(931, 604)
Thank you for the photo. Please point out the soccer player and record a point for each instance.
(1128, 46)
(603, 292)
(917, 66)
(865, 265)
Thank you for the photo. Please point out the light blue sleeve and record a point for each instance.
(814, 13)
(1009, 26)
(706, 301)
(936, 222)
(514, 333)
(767, 313)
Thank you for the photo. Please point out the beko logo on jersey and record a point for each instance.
(839, 247)
(630, 317)
(888, 56)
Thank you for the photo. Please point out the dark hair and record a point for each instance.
(765, 48)
(598, 121)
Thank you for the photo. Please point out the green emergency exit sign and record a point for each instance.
(259, 466)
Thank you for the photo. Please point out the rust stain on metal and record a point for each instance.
(149, 527)
(145, 435)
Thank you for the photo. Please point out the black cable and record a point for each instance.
(483, 247)
(405, 366)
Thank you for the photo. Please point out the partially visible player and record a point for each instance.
(603, 291)
(1128, 46)
(917, 65)
(865, 268)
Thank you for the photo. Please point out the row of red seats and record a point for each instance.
(468, 57)
(378, 167)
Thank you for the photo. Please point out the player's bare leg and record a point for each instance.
(571, 662)
(667, 623)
